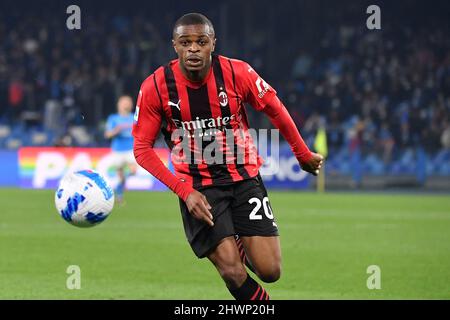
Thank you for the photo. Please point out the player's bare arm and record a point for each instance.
(117, 130)
(199, 207)
(109, 134)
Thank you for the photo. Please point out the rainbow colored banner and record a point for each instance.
(43, 167)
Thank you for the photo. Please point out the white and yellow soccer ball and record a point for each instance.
(84, 198)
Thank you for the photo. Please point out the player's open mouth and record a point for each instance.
(194, 61)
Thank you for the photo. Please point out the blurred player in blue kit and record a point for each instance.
(118, 129)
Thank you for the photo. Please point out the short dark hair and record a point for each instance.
(194, 18)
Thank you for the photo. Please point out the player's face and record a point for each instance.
(124, 105)
(194, 45)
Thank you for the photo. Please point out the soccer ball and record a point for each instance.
(84, 198)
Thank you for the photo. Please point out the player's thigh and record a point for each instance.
(226, 253)
(202, 238)
(132, 167)
(264, 254)
(254, 222)
(118, 161)
(131, 162)
(226, 259)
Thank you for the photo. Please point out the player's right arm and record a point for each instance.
(147, 123)
(112, 129)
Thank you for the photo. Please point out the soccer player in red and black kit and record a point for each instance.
(224, 205)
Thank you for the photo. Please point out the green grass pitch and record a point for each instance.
(140, 251)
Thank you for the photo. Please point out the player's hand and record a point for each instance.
(113, 132)
(199, 207)
(314, 164)
(123, 126)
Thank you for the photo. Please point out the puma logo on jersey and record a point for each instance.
(176, 105)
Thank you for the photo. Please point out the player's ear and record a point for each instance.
(174, 46)
(213, 44)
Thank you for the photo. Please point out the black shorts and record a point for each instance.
(242, 208)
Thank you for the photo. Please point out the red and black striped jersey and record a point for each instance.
(168, 101)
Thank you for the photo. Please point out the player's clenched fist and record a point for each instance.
(199, 207)
(314, 164)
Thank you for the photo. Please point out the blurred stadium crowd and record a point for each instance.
(383, 95)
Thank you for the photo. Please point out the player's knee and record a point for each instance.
(133, 169)
(270, 274)
(233, 275)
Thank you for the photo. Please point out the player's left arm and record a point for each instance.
(264, 98)
(282, 120)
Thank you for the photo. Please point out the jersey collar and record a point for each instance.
(180, 75)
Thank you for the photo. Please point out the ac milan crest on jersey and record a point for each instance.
(223, 98)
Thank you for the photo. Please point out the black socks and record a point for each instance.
(250, 290)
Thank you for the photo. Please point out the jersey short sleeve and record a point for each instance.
(254, 89)
(148, 113)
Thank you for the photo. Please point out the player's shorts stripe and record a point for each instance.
(176, 114)
(226, 112)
